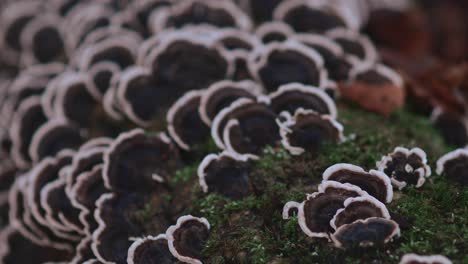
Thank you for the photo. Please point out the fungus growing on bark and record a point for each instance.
(454, 166)
(150, 250)
(418, 259)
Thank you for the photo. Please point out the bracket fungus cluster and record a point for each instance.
(182, 242)
(405, 167)
(453, 165)
(348, 208)
(106, 105)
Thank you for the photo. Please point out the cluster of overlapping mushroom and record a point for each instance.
(349, 206)
(82, 203)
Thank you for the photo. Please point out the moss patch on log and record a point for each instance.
(433, 218)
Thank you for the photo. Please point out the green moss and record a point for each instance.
(434, 218)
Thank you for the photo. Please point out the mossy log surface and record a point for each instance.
(433, 219)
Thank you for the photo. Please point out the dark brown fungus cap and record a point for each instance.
(187, 61)
(337, 63)
(375, 183)
(8, 174)
(291, 97)
(76, 100)
(249, 128)
(84, 194)
(143, 12)
(312, 16)
(20, 216)
(274, 32)
(52, 137)
(454, 165)
(317, 211)
(43, 173)
(418, 259)
(140, 97)
(217, 13)
(260, 10)
(453, 127)
(83, 161)
(359, 208)
(187, 238)
(42, 40)
(405, 167)
(236, 40)
(121, 51)
(184, 122)
(149, 250)
(139, 162)
(117, 223)
(60, 213)
(287, 62)
(373, 231)
(248, 120)
(28, 118)
(354, 44)
(226, 174)
(307, 130)
(101, 74)
(15, 17)
(18, 249)
(222, 94)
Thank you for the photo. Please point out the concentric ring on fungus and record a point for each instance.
(186, 239)
(85, 192)
(454, 166)
(375, 183)
(307, 130)
(405, 166)
(359, 208)
(52, 137)
(151, 160)
(150, 249)
(247, 126)
(216, 13)
(222, 94)
(369, 232)
(286, 62)
(226, 174)
(314, 16)
(291, 97)
(316, 212)
(418, 259)
(184, 122)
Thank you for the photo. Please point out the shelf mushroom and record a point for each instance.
(454, 166)
(418, 259)
(187, 238)
(307, 130)
(150, 250)
(375, 183)
(405, 167)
